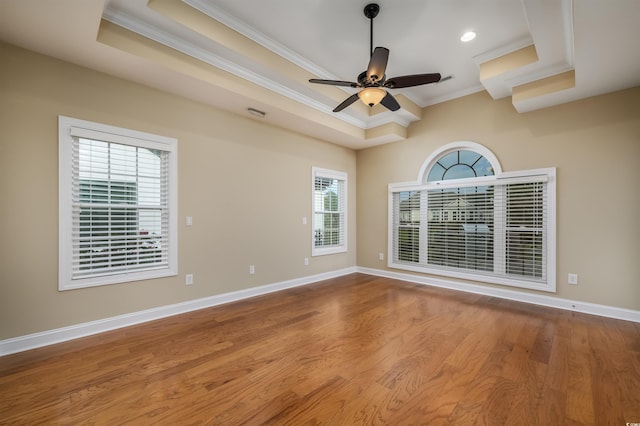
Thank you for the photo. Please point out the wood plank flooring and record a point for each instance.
(352, 350)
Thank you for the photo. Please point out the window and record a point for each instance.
(464, 218)
(118, 195)
(329, 212)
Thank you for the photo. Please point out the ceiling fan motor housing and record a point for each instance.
(369, 82)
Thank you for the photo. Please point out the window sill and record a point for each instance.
(69, 284)
(328, 250)
(548, 286)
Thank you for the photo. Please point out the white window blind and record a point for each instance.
(120, 208)
(500, 231)
(329, 212)
(117, 196)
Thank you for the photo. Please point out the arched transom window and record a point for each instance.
(460, 164)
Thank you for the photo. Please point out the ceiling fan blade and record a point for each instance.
(334, 82)
(412, 80)
(390, 102)
(378, 64)
(351, 99)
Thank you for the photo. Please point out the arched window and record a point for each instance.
(465, 218)
(460, 164)
(459, 160)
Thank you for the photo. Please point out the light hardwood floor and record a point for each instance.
(352, 350)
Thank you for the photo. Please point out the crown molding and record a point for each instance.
(503, 50)
(251, 33)
(165, 38)
(454, 95)
(153, 33)
(539, 74)
(225, 18)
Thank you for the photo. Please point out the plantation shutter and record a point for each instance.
(120, 206)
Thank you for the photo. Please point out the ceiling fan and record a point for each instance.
(373, 81)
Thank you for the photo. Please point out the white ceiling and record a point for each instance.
(330, 39)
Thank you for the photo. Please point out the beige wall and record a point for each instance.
(246, 184)
(595, 145)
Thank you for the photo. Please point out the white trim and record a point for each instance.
(569, 41)
(518, 296)
(549, 71)
(68, 128)
(503, 50)
(331, 174)
(457, 146)
(50, 337)
(449, 96)
(521, 176)
(498, 178)
(251, 33)
(58, 335)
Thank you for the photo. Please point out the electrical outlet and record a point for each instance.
(189, 220)
(252, 269)
(304, 220)
(572, 279)
(380, 256)
(306, 261)
(188, 279)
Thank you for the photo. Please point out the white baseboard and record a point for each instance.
(49, 337)
(519, 296)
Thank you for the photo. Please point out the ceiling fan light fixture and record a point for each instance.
(372, 96)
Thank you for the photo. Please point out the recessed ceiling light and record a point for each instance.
(468, 36)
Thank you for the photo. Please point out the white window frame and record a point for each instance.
(103, 132)
(341, 247)
(547, 175)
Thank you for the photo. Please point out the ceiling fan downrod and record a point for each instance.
(371, 11)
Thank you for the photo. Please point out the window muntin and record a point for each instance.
(498, 229)
(329, 212)
(460, 164)
(117, 205)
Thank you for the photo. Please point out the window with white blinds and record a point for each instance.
(498, 229)
(329, 212)
(117, 205)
